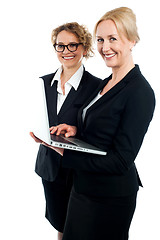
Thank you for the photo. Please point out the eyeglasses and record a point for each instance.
(72, 47)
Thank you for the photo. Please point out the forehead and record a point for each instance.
(66, 37)
(106, 28)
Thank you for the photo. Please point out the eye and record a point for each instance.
(72, 45)
(100, 40)
(60, 46)
(112, 39)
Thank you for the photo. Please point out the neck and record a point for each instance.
(67, 73)
(120, 73)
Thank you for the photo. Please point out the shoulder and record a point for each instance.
(91, 78)
(138, 84)
(48, 77)
(140, 92)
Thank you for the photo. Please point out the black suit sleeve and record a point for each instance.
(134, 123)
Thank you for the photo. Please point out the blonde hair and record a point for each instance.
(80, 31)
(125, 21)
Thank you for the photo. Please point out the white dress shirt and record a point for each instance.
(74, 82)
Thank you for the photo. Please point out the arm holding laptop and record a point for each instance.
(37, 140)
(58, 150)
(64, 129)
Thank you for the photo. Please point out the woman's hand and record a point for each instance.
(58, 150)
(64, 129)
(35, 138)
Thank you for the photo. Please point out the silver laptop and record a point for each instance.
(41, 128)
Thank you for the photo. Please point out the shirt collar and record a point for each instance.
(74, 81)
(57, 76)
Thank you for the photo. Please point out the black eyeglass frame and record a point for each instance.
(66, 46)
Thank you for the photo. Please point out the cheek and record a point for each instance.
(99, 49)
(79, 56)
(58, 55)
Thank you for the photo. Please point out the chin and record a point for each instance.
(110, 64)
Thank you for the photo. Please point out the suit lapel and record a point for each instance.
(101, 86)
(51, 94)
(68, 101)
(106, 97)
(130, 77)
(94, 94)
(72, 96)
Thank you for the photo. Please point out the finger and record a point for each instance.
(63, 132)
(53, 130)
(35, 138)
(71, 131)
(61, 129)
(69, 134)
(31, 134)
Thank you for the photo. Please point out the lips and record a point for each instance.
(68, 58)
(109, 55)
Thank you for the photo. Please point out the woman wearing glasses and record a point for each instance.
(115, 119)
(66, 91)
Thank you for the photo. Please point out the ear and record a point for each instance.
(132, 44)
(84, 53)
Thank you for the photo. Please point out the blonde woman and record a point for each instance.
(66, 90)
(115, 119)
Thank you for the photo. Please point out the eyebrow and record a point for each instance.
(68, 43)
(111, 35)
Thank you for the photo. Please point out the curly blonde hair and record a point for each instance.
(80, 31)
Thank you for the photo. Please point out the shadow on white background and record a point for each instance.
(26, 53)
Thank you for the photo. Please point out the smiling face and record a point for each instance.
(114, 49)
(70, 59)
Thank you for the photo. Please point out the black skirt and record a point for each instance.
(93, 218)
(57, 197)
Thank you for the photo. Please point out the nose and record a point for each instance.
(106, 46)
(66, 50)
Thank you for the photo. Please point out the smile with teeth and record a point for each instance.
(109, 55)
(68, 58)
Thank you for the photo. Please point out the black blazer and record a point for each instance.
(117, 123)
(48, 161)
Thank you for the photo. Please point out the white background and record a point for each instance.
(26, 53)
